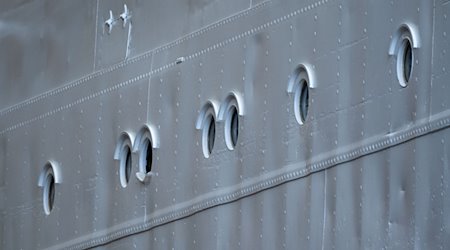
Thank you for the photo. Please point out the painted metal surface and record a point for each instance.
(84, 83)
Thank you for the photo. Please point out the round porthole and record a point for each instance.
(145, 143)
(125, 166)
(231, 109)
(48, 180)
(300, 83)
(404, 42)
(232, 127)
(123, 154)
(209, 135)
(206, 123)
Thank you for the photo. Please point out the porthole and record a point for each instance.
(123, 154)
(48, 180)
(403, 44)
(206, 123)
(125, 166)
(230, 111)
(299, 85)
(209, 135)
(145, 143)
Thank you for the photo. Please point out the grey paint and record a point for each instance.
(368, 169)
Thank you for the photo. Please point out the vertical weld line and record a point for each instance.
(148, 101)
(148, 90)
(432, 59)
(127, 52)
(96, 33)
(324, 209)
(147, 119)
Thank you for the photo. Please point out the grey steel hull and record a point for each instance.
(83, 92)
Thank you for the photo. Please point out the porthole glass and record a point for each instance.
(232, 127)
(128, 165)
(304, 100)
(405, 59)
(49, 193)
(209, 134)
(148, 149)
(301, 101)
(125, 166)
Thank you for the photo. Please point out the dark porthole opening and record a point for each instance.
(303, 100)
(209, 135)
(232, 128)
(147, 155)
(125, 166)
(405, 58)
(49, 193)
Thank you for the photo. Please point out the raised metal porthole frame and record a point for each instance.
(124, 143)
(303, 73)
(233, 101)
(147, 136)
(208, 111)
(406, 34)
(50, 169)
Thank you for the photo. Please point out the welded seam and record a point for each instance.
(432, 57)
(148, 92)
(164, 67)
(260, 183)
(129, 37)
(132, 60)
(95, 41)
(324, 209)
